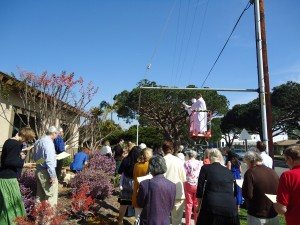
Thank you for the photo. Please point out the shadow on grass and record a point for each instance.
(105, 205)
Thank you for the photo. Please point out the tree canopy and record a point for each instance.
(162, 109)
(285, 100)
(241, 116)
(97, 127)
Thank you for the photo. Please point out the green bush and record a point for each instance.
(67, 162)
(115, 180)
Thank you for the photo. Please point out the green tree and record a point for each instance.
(216, 131)
(162, 109)
(229, 126)
(285, 100)
(241, 116)
(97, 127)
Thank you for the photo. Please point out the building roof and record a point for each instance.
(10, 80)
(286, 142)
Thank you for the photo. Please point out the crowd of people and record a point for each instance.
(48, 170)
(207, 190)
(162, 184)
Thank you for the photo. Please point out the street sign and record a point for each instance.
(244, 135)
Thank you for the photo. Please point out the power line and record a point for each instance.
(198, 41)
(182, 41)
(176, 41)
(188, 42)
(162, 34)
(247, 7)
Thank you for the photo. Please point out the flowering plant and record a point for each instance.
(43, 214)
(82, 203)
(28, 190)
(104, 163)
(98, 182)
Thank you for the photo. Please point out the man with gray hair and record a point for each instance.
(44, 151)
(258, 181)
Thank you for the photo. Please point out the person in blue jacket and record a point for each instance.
(80, 160)
(59, 145)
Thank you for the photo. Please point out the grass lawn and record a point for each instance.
(243, 218)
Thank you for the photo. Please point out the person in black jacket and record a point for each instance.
(11, 205)
(126, 181)
(118, 153)
(215, 193)
(258, 181)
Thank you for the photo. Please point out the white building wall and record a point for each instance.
(6, 114)
(255, 138)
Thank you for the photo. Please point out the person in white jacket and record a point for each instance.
(175, 173)
(198, 116)
(261, 149)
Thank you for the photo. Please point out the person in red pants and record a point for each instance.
(192, 169)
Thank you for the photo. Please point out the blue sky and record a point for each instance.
(110, 42)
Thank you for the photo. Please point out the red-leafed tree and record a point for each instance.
(52, 99)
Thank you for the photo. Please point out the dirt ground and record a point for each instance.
(107, 213)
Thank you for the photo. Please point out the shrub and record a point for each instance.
(43, 214)
(98, 182)
(67, 162)
(28, 179)
(82, 203)
(28, 198)
(104, 163)
(28, 190)
(116, 180)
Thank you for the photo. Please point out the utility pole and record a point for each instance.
(263, 73)
(266, 77)
(260, 70)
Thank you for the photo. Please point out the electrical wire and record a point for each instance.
(162, 34)
(188, 42)
(176, 41)
(247, 7)
(198, 42)
(182, 40)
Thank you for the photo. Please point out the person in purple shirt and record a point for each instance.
(80, 159)
(157, 195)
